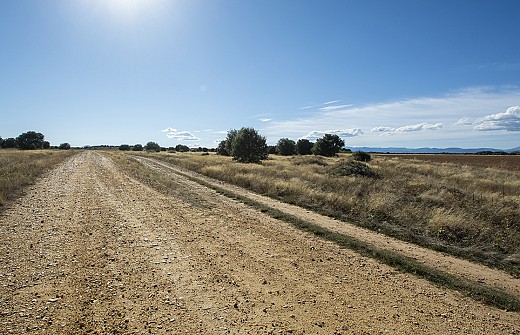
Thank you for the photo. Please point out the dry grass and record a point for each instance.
(21, 168)
(507, 162)
(467, 211)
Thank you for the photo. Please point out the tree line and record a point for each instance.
(247, 146)
(30, 140)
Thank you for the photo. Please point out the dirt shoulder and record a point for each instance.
(90, 250)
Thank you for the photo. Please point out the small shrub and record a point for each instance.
(353, 169)
(361, 156)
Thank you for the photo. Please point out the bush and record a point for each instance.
(328, 145)
(30, 140)
(152, 146)
(304, 147)
(64, 146)
(361, 156)
(137, 147)
(9, 143)
(352, 169)
(286, 147)
(182, 148)
(248, 146)
(124, 147)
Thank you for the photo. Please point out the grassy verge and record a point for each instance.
(475, 290)
(469, 212)
(19, 169)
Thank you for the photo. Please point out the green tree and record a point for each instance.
(46, 145)
(328, 145)
(137, 147)
(9, 143)
(30, 140)
(304, 147)
(1, 142)
(124, 147)
(182, 148)
(64, 146)
(248, 146)
(286, 147)
(152, 146)
(224, 147)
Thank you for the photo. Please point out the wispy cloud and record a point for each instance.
(333, 108)
(179, 135)
(508, 120)
(344, 133)
(265, 120)
(409, 128)
(436, 120)
(331, 102)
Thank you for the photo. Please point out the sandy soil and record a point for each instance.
(89, 250)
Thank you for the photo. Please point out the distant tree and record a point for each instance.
(152, 146)
(248, 146)
(46, 145)
(64, 146)
(30, 140)
(304, 147)
(137, 147)
(271, 149)
(286, 147)
(171, 149)
(124, 147)
(224, 147)
(1, 142)
(182, 148)
(328, 145)
(9, 143)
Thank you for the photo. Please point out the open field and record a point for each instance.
(467, 211)
(98, 251)
(507, 162)
(21, 168)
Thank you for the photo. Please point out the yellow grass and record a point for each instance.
(21, 168)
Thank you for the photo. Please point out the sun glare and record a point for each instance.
(127, 11)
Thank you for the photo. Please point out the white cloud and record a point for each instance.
(408, 128)
(336, 107)
(447, 114)
(508, 120)
(180, 135)
(466, 121)
(265, 120)
(315, 134)
(331, 102)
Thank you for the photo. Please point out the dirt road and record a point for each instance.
(90, 250)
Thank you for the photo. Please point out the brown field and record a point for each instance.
(507, 162)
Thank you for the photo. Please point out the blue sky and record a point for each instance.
(378, 73)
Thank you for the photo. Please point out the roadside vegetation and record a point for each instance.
(467, 211)
(19, 169)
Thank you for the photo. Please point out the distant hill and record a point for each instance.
(394, 150)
